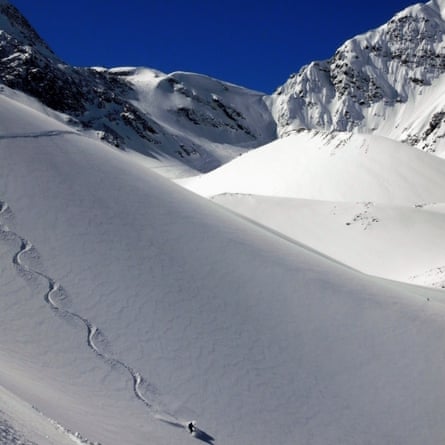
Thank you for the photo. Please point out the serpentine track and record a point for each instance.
(93, 332)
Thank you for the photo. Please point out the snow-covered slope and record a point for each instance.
(331, 167)
(389, 81)
(348, 126)
(129, 305)
(206, 122)
(402, 243)
(366, 201)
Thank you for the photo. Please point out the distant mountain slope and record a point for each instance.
(208, 122)
(129, 306)
(378, 82)
(388, 81)
(219, 120)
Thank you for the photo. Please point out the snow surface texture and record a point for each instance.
(227, 323)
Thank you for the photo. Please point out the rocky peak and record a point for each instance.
(385, 65)
(28, 64)
(17, 27)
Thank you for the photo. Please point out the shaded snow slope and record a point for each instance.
(399, 243)
(331, 167)
(219, 320)
(203, 122)
(19, 421)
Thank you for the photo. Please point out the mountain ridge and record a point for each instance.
(104, 102)
(369, 77)
(375, 83)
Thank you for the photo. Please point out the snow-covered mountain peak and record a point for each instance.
(17, 27)
(384, 69)
(385, 81)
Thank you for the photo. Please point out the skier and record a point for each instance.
(192, 427)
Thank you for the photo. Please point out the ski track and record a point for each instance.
(41, 134)
(92, 331)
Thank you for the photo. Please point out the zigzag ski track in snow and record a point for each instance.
(93, 332)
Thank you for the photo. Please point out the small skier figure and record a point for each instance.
(192, 427)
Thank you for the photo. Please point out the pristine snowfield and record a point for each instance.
(402, 243)
(366, 201)
(129, 306)
(331, 167)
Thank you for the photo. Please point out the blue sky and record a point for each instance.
(257, 44)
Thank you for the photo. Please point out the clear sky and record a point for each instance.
(253, 43)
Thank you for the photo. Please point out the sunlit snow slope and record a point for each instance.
(129, 306)
(398, 242)
(332, 167)
(367, 201)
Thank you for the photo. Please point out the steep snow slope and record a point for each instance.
(137, 301)
(381, 81)
(204, 101)
(20, 421)
(331, 167)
